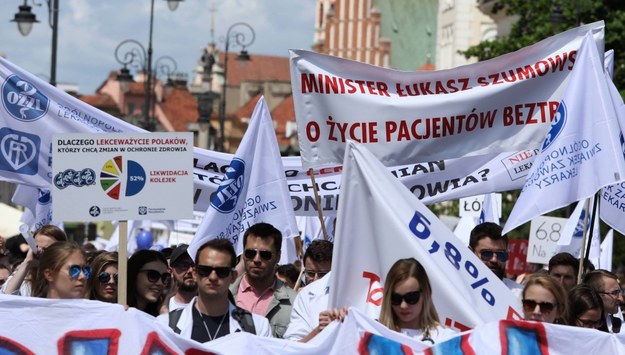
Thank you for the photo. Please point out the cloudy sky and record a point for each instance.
(89, 31)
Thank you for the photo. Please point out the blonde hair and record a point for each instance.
(53, 259)
(555, 288)
(400, 271)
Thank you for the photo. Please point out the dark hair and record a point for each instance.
(53, 258)
(52, 232)
(99, 263)
(486, 230)
(594, 278)
(264, 231)
(135, 263)
(318, 251)
(167, 252)
(222, 245)
(583, 298)
(564, 259)
(289, 271)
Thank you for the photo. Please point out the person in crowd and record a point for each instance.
(585, 308)
(407, 305)
(5, 271)
(544, 300)
(102, 284)
(258, 290)
(605, 283)
(288, 274)
(148, 275)
(184, 283)
(310, 314)
(62, 272)
(487, 242)
(212, 314)
(564, 268)
(44, 237)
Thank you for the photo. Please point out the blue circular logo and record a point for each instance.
(559, 120)
(22, 100)
(44, 197)
(227, 195)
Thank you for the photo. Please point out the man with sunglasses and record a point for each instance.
(487, 242)
(258, 290)
(182, 266)
(606, 284)
(212, 314)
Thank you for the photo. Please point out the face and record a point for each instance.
(313, 271)
(182, 272)
(539, 299)
(611, 299)
(497, 266)
(592, 318)
(148, 290)
(4, 274)
(212, 285)
(408, 314)
(565, 276)
(61, 285)
(107, 291)
(258, 267)
(43, 241)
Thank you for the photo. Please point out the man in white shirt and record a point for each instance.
(182, 267)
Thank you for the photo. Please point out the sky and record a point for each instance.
(90, 30)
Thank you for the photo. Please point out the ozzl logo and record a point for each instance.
(559, 121)
(22, 100)
(227, 195)
(19, 151)
(71, 177)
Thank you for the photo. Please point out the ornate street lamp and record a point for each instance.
(238, 38)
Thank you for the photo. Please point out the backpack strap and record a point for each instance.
(245, 319)
(174, 317)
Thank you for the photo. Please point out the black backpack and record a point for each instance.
(242, 316)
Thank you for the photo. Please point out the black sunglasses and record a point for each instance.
(410, 298)
(221, 271)
(105, 277)
(545, 307)
(154, 276)
(74, 271)
(264, 254)
(487, 254)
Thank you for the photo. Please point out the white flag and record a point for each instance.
(253, 190)
(379, 222)
(490, 209)
(607, 246)
(581, 153)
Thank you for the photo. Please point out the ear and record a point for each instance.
(49, 275)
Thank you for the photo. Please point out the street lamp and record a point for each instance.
(25, 19)
(130, 52)
(239, 39)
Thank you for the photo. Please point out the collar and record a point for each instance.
(245, 286)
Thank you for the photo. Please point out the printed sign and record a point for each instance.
(122, 176)
(472, 206)
(544, 235)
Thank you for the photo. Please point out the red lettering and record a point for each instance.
(374, 295)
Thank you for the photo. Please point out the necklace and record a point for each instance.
(211, 337)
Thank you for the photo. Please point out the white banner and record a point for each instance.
(379, 223)
(582, 152)
(253, 190)
(498, 105)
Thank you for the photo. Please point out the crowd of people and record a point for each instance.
(217, 292)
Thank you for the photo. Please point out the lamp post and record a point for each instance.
(130, 52)
(25, 19)
(239, 39)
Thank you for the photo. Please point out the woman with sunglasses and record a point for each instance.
(62, 272)
(544, 300)
(148, 276)
(586, 308)
(102, 284)
(407, 305)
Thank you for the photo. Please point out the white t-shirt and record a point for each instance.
(173, 305)
(310, 301)
(437, 335)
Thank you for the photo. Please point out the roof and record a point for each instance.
(260, 68)
(99, 100)
(247, 109)
(427, 67)
(180, 107)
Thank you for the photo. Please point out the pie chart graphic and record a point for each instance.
(120, 177)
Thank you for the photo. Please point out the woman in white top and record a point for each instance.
(407, 305)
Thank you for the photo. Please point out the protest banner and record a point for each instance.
(500, 105)
(582, 151)
(379, 223)
(253, 190)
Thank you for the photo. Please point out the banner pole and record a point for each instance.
(318, 202)
(595, 207)
(581, 257)
(299, 279)
(122, 263)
